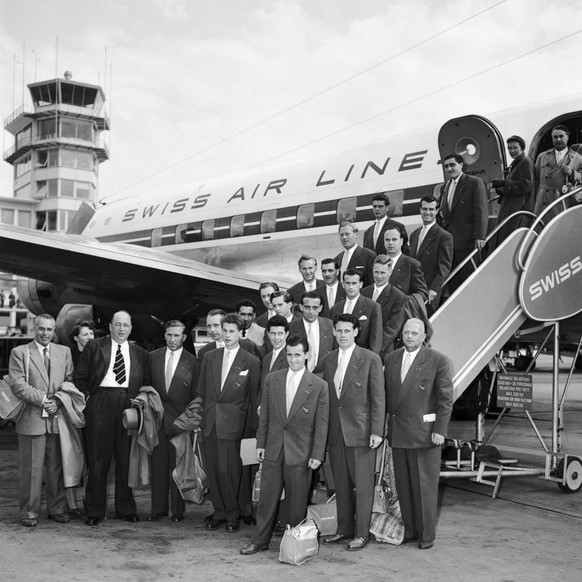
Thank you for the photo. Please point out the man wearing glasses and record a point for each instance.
(110, 372)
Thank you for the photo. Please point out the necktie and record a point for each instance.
(452, 187)
(47, 363)
(273, 358)
(348, 306)
(169, 370)
(405, 366)
(312, 354)
(290, 391)
(340, 372)
(376, 293)
(330, 297)
(376, 232)
(119, 366)
(225, 367)
(421, 236)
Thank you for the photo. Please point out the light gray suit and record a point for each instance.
(38, 438)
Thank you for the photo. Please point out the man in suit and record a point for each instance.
(555, 169)
(374, 235)
(246, 310)
(365, 310)
(354, 256)
(110, 372)
(278, 330)
(318, 331)
(407, 273)
(432, 246)
(307, 268)
(356, 428)
(228, 387)
(464, 211)
(333, 292)
(214, 330)
(35, 372)
(391, 300)
(267, 289)
(420, 400)
(290, 441)
(173, 372)
(282, 303)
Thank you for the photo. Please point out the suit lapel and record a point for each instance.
(413, 375)
(179, 372)
(280, 397)
(427, 240)
(235, 369)
(37, 360)
(303, 390)
(351, 370)
(459, 190)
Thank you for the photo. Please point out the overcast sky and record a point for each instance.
(183, 75)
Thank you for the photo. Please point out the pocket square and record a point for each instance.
(243, 372)
(363, 317)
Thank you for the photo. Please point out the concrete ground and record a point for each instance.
(532, 531)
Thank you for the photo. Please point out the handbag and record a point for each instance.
(325, 516)
(382, 492)
(299, 543)
(194, 488)
(11, 407)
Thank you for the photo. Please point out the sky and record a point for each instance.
(201, 88)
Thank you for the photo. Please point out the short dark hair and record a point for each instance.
(382, 197)
(79, 325)
(401, 231)
(277, 321)
(269, 284)
(306, 258)
(346, 318)
(351, 273)
(560, 127)
(233, 318)
(382, 259)
(245, 303)
(330, 260)
(296, 340)
(429, 199)
(453, 156)
(287, 297)
(516, 139)
(174, 323)
(311, 295)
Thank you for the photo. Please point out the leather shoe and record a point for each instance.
(177, 517)
(357, 544)
(408, 541)
(253, 549)
(335, 539)
(213, 524)
(232, 526)
(131, 517)
(60, 518)
(29, 522)
(278, 530)
(248, 520)
(92, 521)
(156, 516)
(425, 545)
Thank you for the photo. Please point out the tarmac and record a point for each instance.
(531, 531)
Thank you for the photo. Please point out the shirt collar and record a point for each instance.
(41, 347)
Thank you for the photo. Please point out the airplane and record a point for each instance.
(181, 252)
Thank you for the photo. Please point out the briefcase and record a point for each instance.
(325, 516)
(299, 543)
(11, 407)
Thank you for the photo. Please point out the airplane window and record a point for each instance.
(396, 198)
(269, 221)
(208, 230)
(237, 225)
(181, 234)
(305, 215)
(346, 209)
(156, 237)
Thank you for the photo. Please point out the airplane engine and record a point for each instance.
(39, 296)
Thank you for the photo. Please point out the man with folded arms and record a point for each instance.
(290, 440)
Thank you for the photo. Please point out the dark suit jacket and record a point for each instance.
(435, 255)
(227, 410)
(369, 314)
(94, 363)
(360, 411)
(467, 220)
(363, 261)
(339, 295)
(407, 276)
(247, 345)
(392, 302)
(182, 389)
(303, 434)
(299, 288)
(267, 345)
(426, 390)
(326, 337)
(380, 248)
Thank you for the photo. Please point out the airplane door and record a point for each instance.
(482, 148)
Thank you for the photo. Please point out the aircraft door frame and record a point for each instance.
(481, 144)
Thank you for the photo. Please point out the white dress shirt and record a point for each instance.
(109, 379)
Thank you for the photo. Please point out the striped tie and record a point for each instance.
(119, 366)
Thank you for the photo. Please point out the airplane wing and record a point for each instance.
(84, 270)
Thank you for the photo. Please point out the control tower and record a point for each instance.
(58, 146)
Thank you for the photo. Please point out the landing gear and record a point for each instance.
(573, 481)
